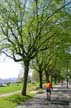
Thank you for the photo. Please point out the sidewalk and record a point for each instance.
(61, 98)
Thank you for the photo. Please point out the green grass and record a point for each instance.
(13, 101)
(10, 88)
(32, 87)
(15, 87)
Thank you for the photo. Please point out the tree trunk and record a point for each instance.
(67, 83)
(40, 78)
(47, 76)
(55, 80)
(26, 70)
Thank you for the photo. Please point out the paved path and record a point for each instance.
(9, 94)
(61, 98)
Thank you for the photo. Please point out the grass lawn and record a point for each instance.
(12, 101)
(15, 87)
(10, 88)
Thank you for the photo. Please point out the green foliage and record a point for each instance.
(35, 76)
(29, 27)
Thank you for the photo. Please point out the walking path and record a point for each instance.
(9, 94)
(61, 98)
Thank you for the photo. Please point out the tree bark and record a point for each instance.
(55, 79)
(26, 71)
(40, 78)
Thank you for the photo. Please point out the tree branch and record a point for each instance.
(53, 14)
(6, 34)
(7, 54)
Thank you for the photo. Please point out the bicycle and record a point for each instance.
(48, 96)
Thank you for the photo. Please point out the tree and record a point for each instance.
(37, 64)
(24, 29)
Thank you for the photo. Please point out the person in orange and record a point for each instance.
(48, 87)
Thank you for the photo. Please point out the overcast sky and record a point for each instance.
(8, 68)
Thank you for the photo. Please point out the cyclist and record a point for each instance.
(48, 88)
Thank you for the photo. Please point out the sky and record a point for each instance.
(9, 68)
